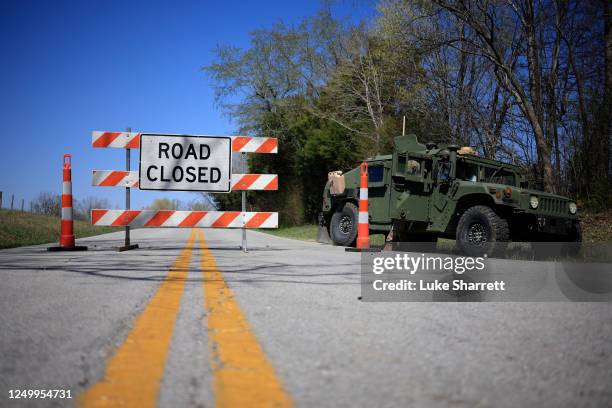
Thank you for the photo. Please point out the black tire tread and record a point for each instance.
(499, 225)
(355, 211)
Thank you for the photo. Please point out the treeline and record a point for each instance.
(524, 81)
(51, 204)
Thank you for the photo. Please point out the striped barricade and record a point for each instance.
(186, 219)
(131, 140)
(119, 178)
(255, 182)
(114, 178)
(170, 218)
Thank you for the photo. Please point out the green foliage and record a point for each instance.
(309, 149)
(335, 92)
(600, 196)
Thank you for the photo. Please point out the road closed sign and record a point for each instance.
(185, 163)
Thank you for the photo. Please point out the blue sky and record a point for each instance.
(70, 67)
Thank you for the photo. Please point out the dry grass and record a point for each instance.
(597, 227)
(22, 228)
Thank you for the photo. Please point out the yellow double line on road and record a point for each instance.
(243, 376)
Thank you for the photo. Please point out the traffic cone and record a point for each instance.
(67, 223)
(363, 225)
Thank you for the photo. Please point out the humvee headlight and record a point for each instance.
(534, 202)
(573, 208)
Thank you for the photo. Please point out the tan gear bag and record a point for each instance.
(336, 182)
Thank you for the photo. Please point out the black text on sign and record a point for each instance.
(185, 163)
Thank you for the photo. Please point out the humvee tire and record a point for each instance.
(343, 225)
(480, 231)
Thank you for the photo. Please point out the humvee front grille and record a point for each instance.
(552, 205)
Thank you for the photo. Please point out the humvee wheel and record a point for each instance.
(481, 231)
(343, 225)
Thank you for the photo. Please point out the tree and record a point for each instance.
(525, 81)
(48, 204)
(165, 204)
(84, 206)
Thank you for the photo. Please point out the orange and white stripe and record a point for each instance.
(120, 178)
(363, 227)
(114, 178)
(131, 140)
(171, 218)
(254, 182)
(124, 140)
(247, 144)
(66, 224)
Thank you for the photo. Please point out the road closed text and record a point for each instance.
(178, 173)
(185, 163)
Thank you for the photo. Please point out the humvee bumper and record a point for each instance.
(554, 225)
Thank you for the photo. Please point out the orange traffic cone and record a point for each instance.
(67, 223)
(363, 224)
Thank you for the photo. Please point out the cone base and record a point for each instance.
(61, 248)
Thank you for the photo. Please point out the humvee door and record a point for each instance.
(411, 187)
(378, 191)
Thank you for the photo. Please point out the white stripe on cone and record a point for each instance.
(66, 213)
(363, 217)
(363, 193)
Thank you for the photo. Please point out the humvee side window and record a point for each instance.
(444, 169)
(376, 173)
(401, 163)
(499, 176)
(466, 171)
(413, 168)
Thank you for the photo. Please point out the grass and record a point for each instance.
(308, 232)
(22, 228)
(305, 232)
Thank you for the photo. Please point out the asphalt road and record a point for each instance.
(190, 320)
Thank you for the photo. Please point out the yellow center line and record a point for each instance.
(133, 375)
(243, 376)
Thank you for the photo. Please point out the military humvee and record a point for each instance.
(423, 192)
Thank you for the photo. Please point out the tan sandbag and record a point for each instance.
(467, 150)
(336, 182)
